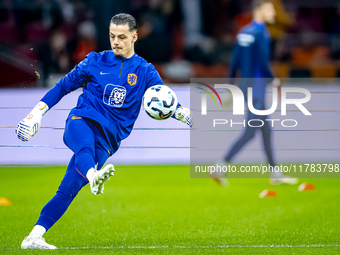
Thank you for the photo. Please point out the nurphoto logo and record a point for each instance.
(238, 99)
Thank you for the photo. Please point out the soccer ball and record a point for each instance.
(159, 102)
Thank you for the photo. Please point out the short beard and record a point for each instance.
(118, 55)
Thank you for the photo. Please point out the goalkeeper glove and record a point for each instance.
(185, 115)
(30, 125)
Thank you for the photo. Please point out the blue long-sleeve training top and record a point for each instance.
(251, 55)
(113, 88)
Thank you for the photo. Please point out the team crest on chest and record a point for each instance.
(132, 79)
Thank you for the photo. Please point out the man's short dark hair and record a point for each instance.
(258, 3)
(123, 19)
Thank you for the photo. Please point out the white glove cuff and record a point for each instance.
(40, 109)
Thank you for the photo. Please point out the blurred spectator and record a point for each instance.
(198, 47)
(308, 19)
(4, 12)
(223, 14)
(87, 41)
(331, 21)
(312, 59)
(57, 34)
(282, 52)
(52, 16)
(241, 20)
(26, 11)
(278, 29)
(310, 54)
(154, 19)
(53, 55)
(8, 28)
(104, 10)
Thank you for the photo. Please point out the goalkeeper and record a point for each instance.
(113, 85)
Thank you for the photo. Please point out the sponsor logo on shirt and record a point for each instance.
(75, 117)
(132, 79)
(245, 39)
(114, 95)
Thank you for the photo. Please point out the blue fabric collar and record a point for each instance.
(259, 24)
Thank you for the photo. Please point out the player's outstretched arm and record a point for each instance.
(75, 79)
(185, 115)
(30, 125)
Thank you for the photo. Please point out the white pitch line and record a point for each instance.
(205, 247)
(195, 247)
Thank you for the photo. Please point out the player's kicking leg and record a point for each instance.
(98, 178)
(87, 154)
(82, 164)
(56, 207)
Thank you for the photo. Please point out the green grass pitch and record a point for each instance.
(160, 210)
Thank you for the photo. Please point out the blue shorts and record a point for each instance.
(81, 132)
(84, 135)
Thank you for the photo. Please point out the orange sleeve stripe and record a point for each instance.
(81, 174)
